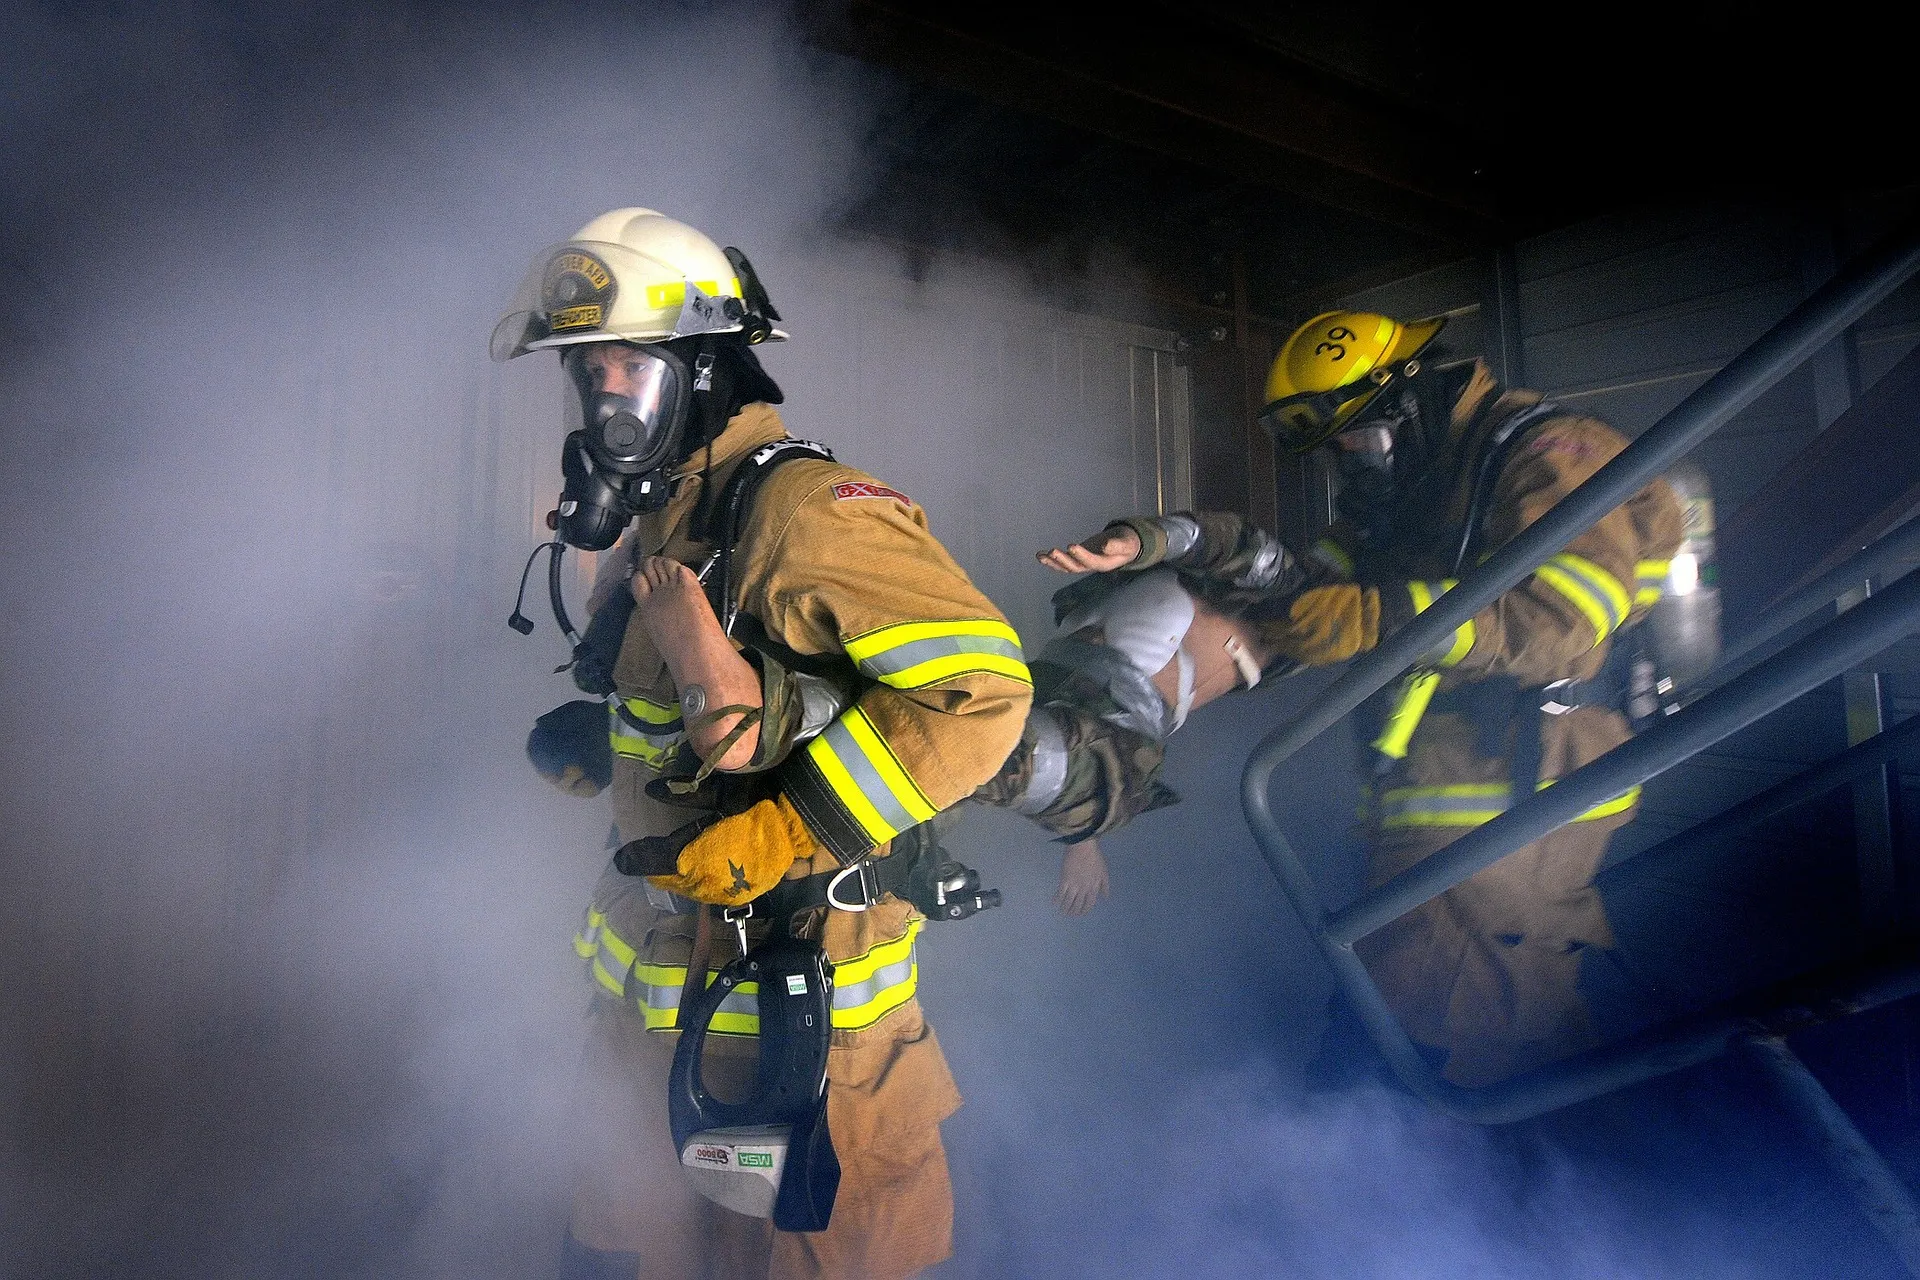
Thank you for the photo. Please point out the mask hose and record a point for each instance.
(521, 622)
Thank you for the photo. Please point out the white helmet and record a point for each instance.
(634, 275)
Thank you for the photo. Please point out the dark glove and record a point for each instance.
(570, 748)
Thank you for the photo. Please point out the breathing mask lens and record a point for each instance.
(628, 406)
(631, 402)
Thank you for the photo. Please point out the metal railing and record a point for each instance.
(1836, 646)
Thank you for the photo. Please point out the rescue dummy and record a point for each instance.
(1137, 655)
(817, 678)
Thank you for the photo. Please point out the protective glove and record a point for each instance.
(739, 858)
(1325, 625)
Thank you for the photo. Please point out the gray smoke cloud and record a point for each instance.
(284, 936)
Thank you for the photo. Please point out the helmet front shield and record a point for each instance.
(597, 291)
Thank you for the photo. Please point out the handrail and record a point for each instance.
(1809, 784)
(1800, 333)
(1881, 558)
(1851, 638)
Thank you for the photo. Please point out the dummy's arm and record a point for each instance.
(1215, 545)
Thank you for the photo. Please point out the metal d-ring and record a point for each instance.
(858, 868)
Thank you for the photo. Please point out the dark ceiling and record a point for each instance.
(1274, 155)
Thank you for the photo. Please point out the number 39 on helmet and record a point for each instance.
(1331, 367)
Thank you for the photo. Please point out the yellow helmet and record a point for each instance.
(1331, 367)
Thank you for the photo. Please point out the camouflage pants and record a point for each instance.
(1112, 774)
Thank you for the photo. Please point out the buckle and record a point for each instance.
(738, 917)
(1551, 703)
(869, 887)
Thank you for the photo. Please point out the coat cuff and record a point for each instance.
(1153, 540)
(829, 820)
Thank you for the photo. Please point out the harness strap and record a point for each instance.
(877, 877)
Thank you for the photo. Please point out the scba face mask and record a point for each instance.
(629, 407)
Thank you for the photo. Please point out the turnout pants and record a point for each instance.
(888, 1090)
(1488, 973)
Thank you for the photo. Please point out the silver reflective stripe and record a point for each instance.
(1182, 534)
(665, 997)
(893, 661)
(866, 777)
(855, 994)
(1597, 590)
(1047, 775)
(615, 973)
(1268, 564)
(1392, 806)
(821, 702)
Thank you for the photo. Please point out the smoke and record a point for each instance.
(285, 932)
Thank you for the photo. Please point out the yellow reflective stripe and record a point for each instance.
(862, 771)
(861, 967)
(912, 655)
(629, 740)
(658, 1001)
(1471, 804)
(872, 643)
(587, 942)
(1416, 691)
(1597, 594)
(1424, 594)
(1650, 577)
(868, 987)
(1334, 556)
(1463, 637)
(674, 293)
(612, 947)
(614, 944)
(652, 712)
(905, 790)
(1382, 338)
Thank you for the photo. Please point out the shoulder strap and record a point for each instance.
(735, 501)
(1491, 462)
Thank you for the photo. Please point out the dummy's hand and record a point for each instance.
(1104, 552)
(739, 858)
(1083, 878)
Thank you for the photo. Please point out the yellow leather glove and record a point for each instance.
(1328, 624)
(739, 858)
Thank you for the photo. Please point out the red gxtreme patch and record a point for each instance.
(866, 489)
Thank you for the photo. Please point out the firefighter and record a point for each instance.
(880, 687)
(1438, 467)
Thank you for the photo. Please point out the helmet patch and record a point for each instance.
(577, 292)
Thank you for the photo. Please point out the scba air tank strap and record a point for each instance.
(1414, 694)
